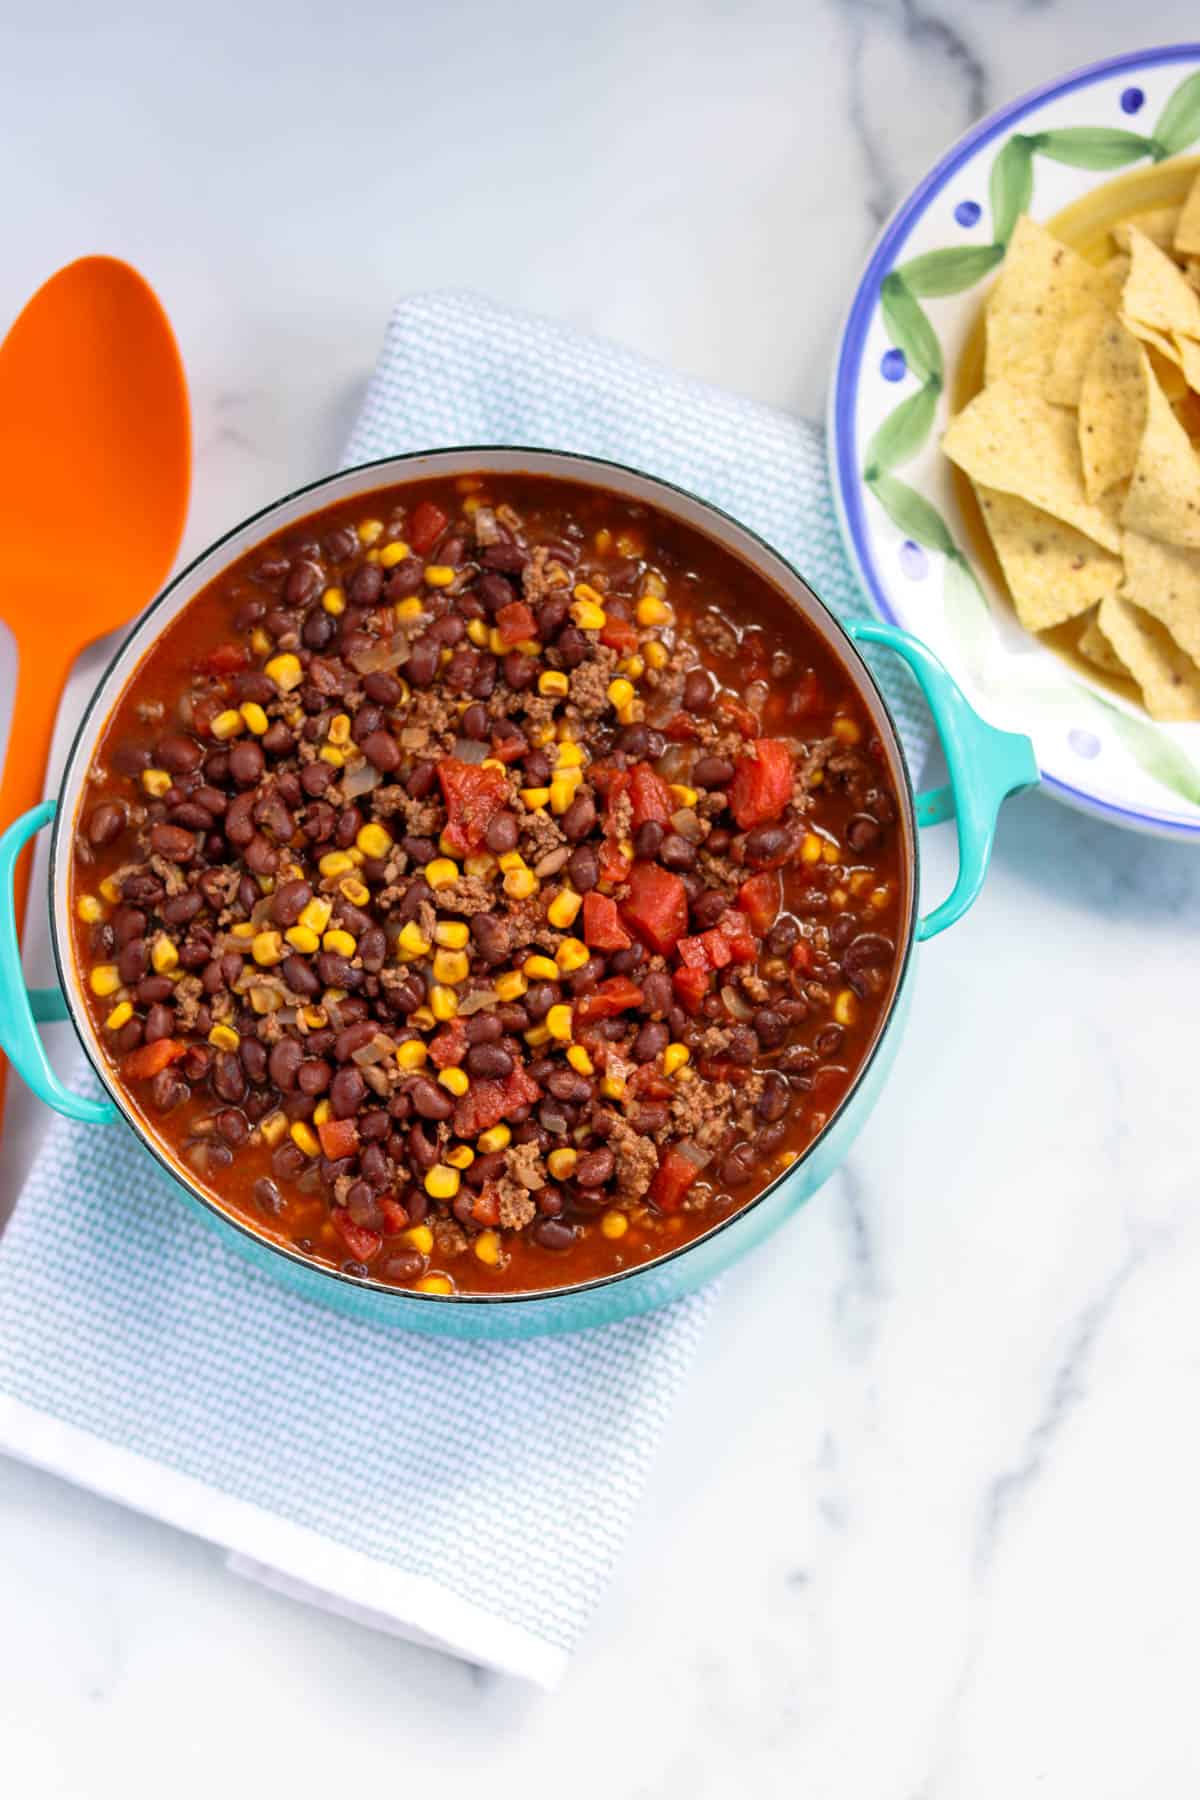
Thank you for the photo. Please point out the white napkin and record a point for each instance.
(470, 1496)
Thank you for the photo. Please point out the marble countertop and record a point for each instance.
(923, 1524)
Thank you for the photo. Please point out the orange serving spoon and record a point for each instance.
(95, 466)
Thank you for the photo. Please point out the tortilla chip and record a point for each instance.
(1161, 342)
(1168, 374)
(1078, 337)
(1191, 272)
(1189, 359)
(1053, 572)
(1095, 646)
(1186, 241)
(1010, 438)
(1042, 287)
(1159, 225)
(1156, 293)
(1165, 582)
(1164, 495)
(1112, 410)
(1169, 680)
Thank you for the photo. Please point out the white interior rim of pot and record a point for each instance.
(366, 478)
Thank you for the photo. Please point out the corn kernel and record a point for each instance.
(603, 540)
(245, 928)
(265, 1000)
(334, 601)
(315, 1017)
(540, 735)
(563, 910)
(630, 543)
(487, 1248)
(530, 646)
(412, 1054)
(562, 789)
(120, 1015)
(537, 1035)
(285, 671)
(535, 797)
(413, 939)
(633, 666)
(439, 575)
(452, 934)
(477, 631)
(495, 641)
(227, 724)
(493, 762)
(224, 1037)
(653, 585)
(845, 1007)
(442, 1182)
(260, 641)
(374, 840)
(540, 968)
(441, 872)
(455, 1081)
(89, 909)
(620, 692)
(558, 1022)
(163, 955)
(451, 966)
(322, 1112)
(370, 531)
(686, 796)
(330, 754)
(273, 1129)
(657, 656)
(461, 1157)
(110, 890)
(510, 986)
(860, 881)
(554, 683)
(810, 849)
(316, 914)
(498, 1137)
(612, 1087)
(570, 756)
(839, 898)
(423, 1018)
(355, 891)
(267, 948)
(410, 608)
(571, 955)
(334, 864)
(434, 1284)
(579, 1060)
(653, 612)
(339, 730)
(305, 1138)
(393, 553)
(480, 866)
(613, 1224)
(880, 897)
(846, 731)
(674, 1057)
(588, 616)
(255, 718)
(561, 1163)
(340, 942)
(443, 1003)
(520, 884)
(511, 859)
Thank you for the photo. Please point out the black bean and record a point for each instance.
(738, 1167)
(782, 936)
(401, 1266)
(708, 907)
(490, 1062)
(766, 843)
(260, 856)
(652, 1117)
(318, 630)
(828, 1040)
(519, 670)
(166, 1091)
(253, 1055)
(869, 951)
(160, 1023)
(566, 1085)
(773, 1101)
(650, 1041)
(484, 1028)
(347, 1091)
(178, 754)
(491, 938)
(540, 997)
(430, 1100)
(372, 949)
(288, 1160)
(267, 1196)
(698, 691)
(863, 832)
(770, 1027)
(420, 850)
(247, 763)
(712, 772)
(284, 1063)
(289, 901)
(422, 1151)
(657, 992)
(130, 922)
(366, 585)
(422, 780)
(584, 868)
(625, 962)
(300, 977)
(422, 663)
(743, 1045)
(648, 840)
(513, 1018)
(537, 768)
(676, 853)
(502, 833)
(133, 961)
(302, 583)
(228, 1077)
(578, 819)
(595, 1168)
(153, 990)
(551, 617)
(314, 1075)
(233, 1128)
(553, 1234)
(570, 648)
(105, 823)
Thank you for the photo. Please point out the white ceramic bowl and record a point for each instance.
(907, 326)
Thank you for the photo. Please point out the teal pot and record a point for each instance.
(985, 765)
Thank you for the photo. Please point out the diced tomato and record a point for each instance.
(616, 783)
(151, 1059)
(674, 1177)
(649, 1083)
(602, 927)
(738, 942)
(762, 783)
(657, 907)
(360, 1240)
(650, 795)
(509, 750)
(204, 711)
(690, 986)
(426, 526)
(759, 898)
(520, 1089)
(805, 696)
(226, 659)
(738, 714)
(481, 1107)
(724, 1072)
(693, 953)
(514, 622)
(619, 634)
(801, 957)
(681, 725)
(614, 996)
(473, 796)
(614, 864)
(395, 1215)
(448, 1046)
(339, 1137)
(485, 1208)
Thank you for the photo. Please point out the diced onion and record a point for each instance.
(736, 1003)
(360, 780)
(552, 862)
(374, 1052)
(386, 653)
(691, 1152)
(478, 1001)
(468, 750)
(675, 762)
(687, 824)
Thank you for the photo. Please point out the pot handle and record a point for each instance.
(986, 766)
(21, 1008)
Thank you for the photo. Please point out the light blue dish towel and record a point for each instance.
(420, 1485)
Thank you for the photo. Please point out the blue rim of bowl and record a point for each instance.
(847, 488)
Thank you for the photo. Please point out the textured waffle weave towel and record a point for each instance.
(349, 1464)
